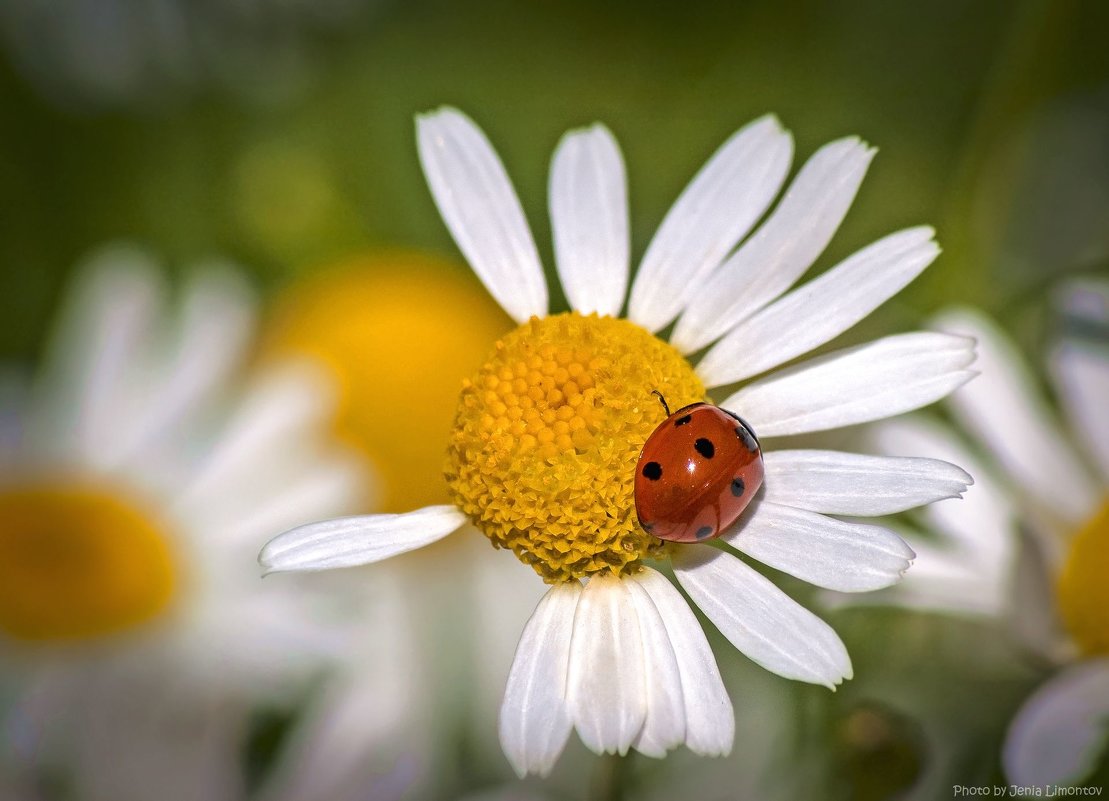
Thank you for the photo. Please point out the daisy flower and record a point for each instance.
(1051, 481)
(542, 457)
(134, 479)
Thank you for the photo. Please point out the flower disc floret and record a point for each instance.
(1083, 589)
(546, 437)
(78, 562)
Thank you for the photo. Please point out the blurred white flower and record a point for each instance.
(1030, 543)
(95, 53)
(546, 437)
(137, 479)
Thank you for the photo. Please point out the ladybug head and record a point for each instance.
(662, 400)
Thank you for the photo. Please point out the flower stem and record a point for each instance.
(610, 778)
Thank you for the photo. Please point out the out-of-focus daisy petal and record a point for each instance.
(263, 639)
(607, 687)
(349, 541)
(87, 390)
(664, 725)
(216, 321)
(709, 717)
(313, 489)
(880, 379)
(837, 483)
(589, 220)
(760, 620)
(1030, 598)
(480, 207)
(783, 248)
(941, 580)
(1060, 731)
(714, 212)
(967, 567)
(1084, 301)
(364, 717)
(822, 309)
(1082, 375)
(282, 405)
(964, 523)
(849, 557)
(181, 748)
(535, 720)
(1005, 409)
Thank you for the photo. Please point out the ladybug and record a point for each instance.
(696, 474)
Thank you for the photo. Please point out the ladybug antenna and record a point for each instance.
(662, 400)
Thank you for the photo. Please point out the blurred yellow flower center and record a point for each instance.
(1084, 586)
(546, 438)
(399, 331)
(76, 562)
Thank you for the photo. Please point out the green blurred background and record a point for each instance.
(300, 150)
(283, 138)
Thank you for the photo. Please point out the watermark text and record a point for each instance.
(1023, 791)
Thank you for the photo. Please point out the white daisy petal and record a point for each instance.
(480, 207)
(664, 725)
(88, 389)
(284, 404)
(837, 483)
(589, 220)
(820, 310)
(962, 523)
(147, 734)
(365, 713)
(607, 688)
(1007, 412)
(349, 541)
(1085, 300)
(856, 385)
(783, 248)
(849, 557)
(1060, 731)
(324, 487)
(1082, 375)
(709, 717)
(535, 721)
(966, 567)
(760, 620)
(714, 212)
(941, 580)
(216, 322)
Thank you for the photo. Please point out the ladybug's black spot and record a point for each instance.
(704, 531)
(748, 440)
(681, 421)
(705, 448)
(738, 486)
(652, 470)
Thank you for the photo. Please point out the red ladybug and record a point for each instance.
(696, 474)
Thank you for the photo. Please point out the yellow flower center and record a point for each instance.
(546, 437)
(77, 562)
(1084, 586)
(399, 331)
